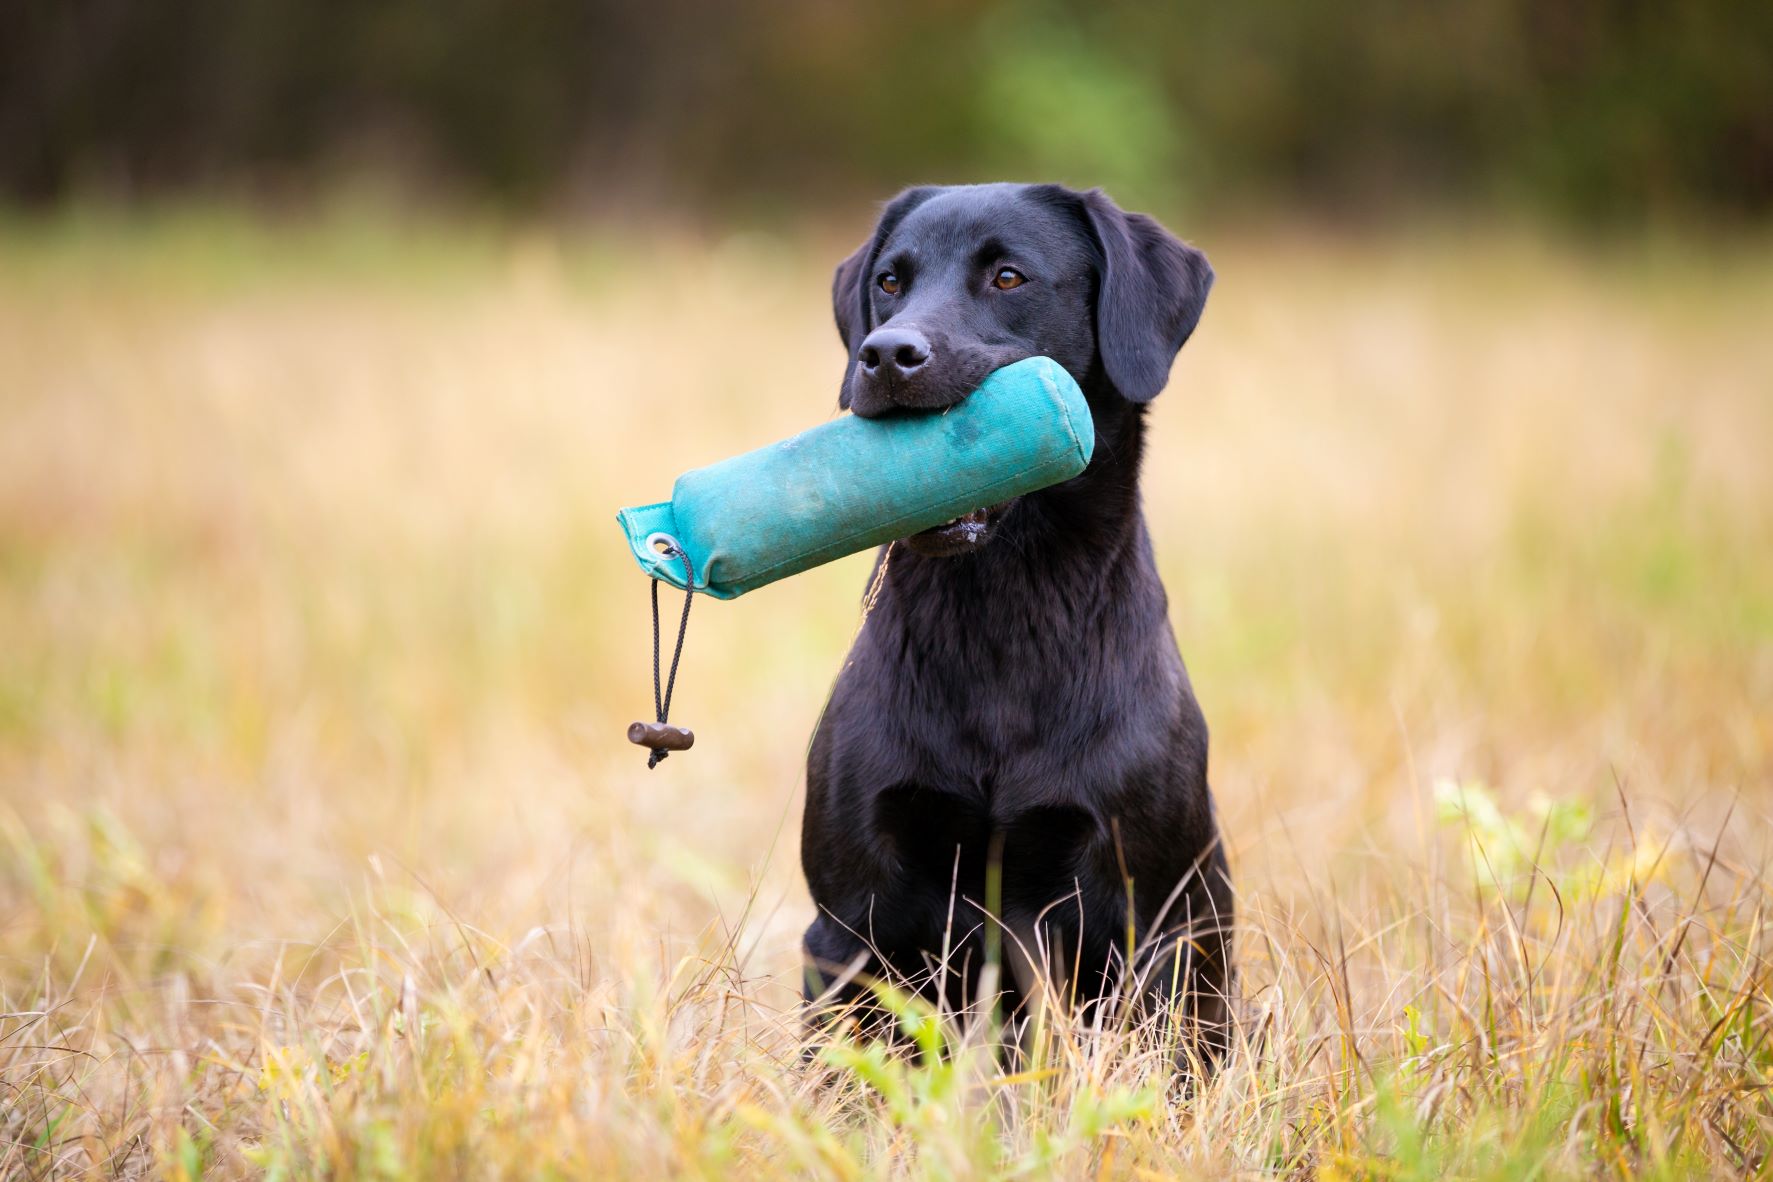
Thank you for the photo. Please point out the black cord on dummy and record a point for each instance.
(662, 701)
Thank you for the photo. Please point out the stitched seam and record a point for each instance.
(1065, 409)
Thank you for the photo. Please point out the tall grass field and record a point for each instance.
(323, 854)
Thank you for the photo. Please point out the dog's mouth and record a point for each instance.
(962, 535)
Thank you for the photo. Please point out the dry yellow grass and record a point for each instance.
(322, 853)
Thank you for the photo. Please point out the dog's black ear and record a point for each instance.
(1149, 298)
(848, 301)
(849, 283)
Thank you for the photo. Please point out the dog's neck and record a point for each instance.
(1082, 543)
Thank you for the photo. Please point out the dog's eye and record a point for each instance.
(889, 282)
(1007, 278)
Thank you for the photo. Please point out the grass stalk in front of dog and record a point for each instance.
(1544, 1013)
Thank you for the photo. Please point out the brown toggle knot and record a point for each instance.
(660, 736)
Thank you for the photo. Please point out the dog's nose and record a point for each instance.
(894, 352)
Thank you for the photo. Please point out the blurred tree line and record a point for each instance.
(1592, 110)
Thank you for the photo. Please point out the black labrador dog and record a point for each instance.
(1012, 756)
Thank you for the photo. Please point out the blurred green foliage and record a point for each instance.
(1581, 109)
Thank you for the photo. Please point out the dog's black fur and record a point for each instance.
(1016, 692)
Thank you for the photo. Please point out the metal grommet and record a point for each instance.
(670, 548)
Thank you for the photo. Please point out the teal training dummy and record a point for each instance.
(853, 483)
(844, 486)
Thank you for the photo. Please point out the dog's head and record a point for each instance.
(957, 282)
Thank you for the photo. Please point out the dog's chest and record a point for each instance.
(1008, 723)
